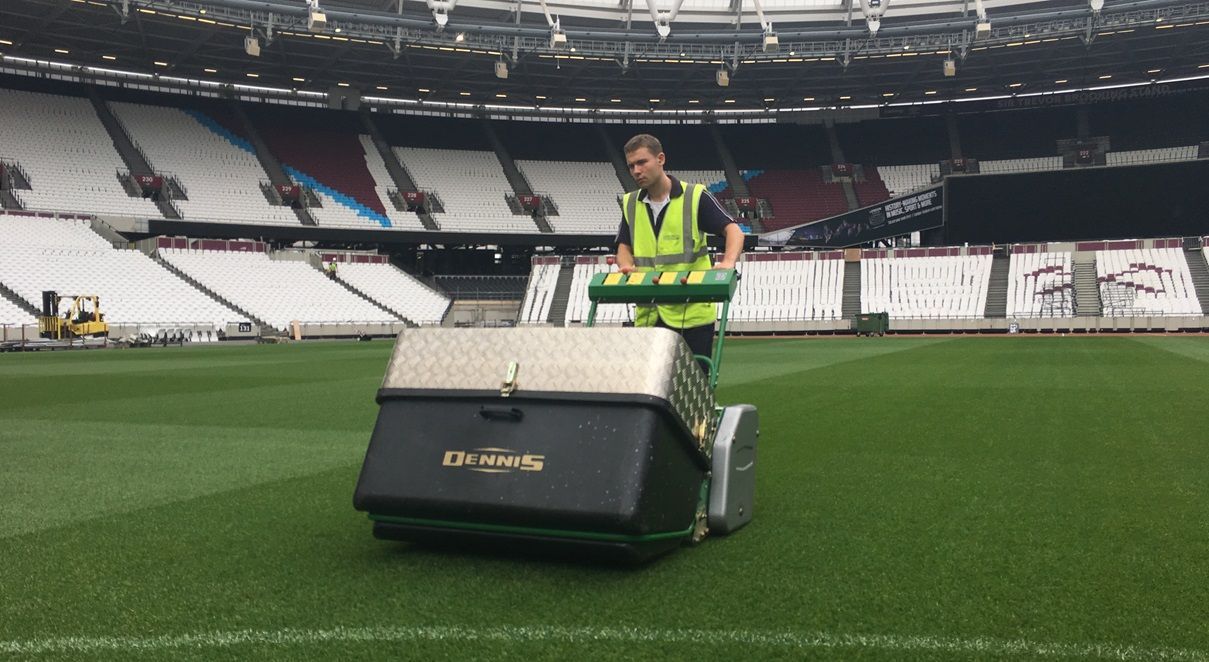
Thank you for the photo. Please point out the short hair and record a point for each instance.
(644, 140)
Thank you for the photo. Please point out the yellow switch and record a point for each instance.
(635, 278)
(613, 279)
(669, 278)
(696, 277)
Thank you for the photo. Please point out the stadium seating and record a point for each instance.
(872, 190)
(481, 287)
(222, 179)
(794, 288)
(11, 314)
(276, 291)
(585, 193)
(1035, 164)
(1160, 155)
(714, 180)
(906, 178)
(797, 196)
(578, 304)
(1040, 285)
(396, 290)
(1146, 282)
(926, 287)
(403, 220)
(470, 184)
(69, 157)
(789, 289)
(66, 256)
(535, 309)
(324, 153)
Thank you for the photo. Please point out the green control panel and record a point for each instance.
(715, 285)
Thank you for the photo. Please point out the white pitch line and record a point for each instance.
(788, 639)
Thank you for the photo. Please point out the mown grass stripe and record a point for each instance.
(785, 639)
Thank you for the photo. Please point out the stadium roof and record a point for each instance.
(614, 57)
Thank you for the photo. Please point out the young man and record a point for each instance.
(663, 227)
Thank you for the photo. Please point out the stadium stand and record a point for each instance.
(1152, 281)
(66, 256)
(218, 170)
(324, 152)
(797, 196)
(12, 314)
(906, 178)
(539, 294)
(1158, 155)
(714, 180)
(794, 286)
(1033, 164)
(872, 189)
(1040, 285)
(396, 290)
(493, 288)
(578, 304)
(276, 291)
(952, 287)
(403, 220)
(470, 184)
(784, 287)
(64, 149)
(584, 192)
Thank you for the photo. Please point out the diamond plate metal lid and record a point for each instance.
(623, 361)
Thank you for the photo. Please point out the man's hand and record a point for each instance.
(724, 264)
(626, 269)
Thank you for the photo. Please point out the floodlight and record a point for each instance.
(316, 20)
(771, 43)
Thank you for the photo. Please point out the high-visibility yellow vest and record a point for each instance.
(680, 246)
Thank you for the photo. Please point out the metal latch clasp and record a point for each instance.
(509, 384)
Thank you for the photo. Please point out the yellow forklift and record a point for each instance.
(81, 317)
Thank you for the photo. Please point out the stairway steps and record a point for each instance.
(562, 292)
(516, 179)
(850, 305)
(997, 288)
(1087, 289)
(377, 304)
(1199, 271)
(213, 295)
(18, 301)
(131, 155)
(270, 164)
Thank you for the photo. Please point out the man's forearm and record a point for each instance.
(625, 258)
(734, 245)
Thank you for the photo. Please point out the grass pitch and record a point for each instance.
(919, 498)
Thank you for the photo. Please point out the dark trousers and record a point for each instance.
(700, 339)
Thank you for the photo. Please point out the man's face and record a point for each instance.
(646, 168)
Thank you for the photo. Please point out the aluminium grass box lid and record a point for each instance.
(651, 362)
